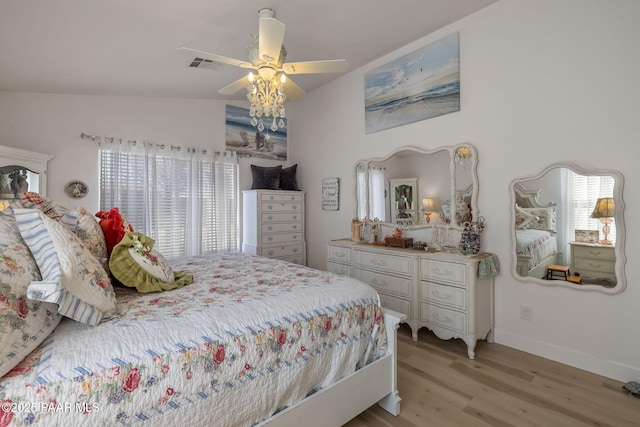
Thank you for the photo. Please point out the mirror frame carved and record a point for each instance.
(473, 162)
(621, 259)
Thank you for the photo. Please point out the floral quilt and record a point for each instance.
(251, 336)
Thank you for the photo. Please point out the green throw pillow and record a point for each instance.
(136, 264)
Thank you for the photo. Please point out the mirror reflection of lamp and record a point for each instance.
(429, 206)
(604, 210)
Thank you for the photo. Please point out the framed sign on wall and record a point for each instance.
(331, 194)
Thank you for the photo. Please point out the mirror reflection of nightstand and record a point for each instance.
(593, 261)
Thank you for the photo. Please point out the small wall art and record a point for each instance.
(330, 194)
(246, 140)
(587, 236)
(417, 86)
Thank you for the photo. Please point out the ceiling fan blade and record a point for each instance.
(217, 58)
(293, 90)
(232, 88)
(315, 67)
(270, 38)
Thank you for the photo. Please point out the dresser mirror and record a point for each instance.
(442, 184)
(569, 228)
(20, 171)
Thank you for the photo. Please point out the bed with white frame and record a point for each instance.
(540, 249)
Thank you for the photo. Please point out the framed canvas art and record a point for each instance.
(418, 86)
(246, 140)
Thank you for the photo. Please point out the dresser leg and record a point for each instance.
(471, 346)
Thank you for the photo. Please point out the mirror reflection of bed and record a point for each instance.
(557, 226)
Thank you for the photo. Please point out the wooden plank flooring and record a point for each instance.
(440, 386)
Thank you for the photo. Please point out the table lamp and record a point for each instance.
(428, 205)
(604, 210)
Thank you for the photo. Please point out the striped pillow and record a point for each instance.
(71, 276)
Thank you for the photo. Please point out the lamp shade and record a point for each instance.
(605, 208)
(429, 204)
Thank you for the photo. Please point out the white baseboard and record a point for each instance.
(587, 362)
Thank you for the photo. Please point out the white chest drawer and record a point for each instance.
(595, 265)
(281, 207)
(443, 271)
(396, 304)
(281, 251)
(385, 283)
(283, 227)
(340, 254)
(444, 295)
(279, 197)
(444, 317)
(280, 238)
(337, 268)
(383, 262)
(280, 217)
(593, 252)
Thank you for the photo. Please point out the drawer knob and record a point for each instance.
(269, 228)
(295, 236)
(270, 252)
(295, 227)
(269, 207)
(270, 217)
(295, 207)
(269, 238)
(295, 217)
(295, 250)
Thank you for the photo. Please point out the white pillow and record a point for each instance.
(71, 276)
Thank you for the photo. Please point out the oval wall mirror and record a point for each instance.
(568, 228)
(417, 188)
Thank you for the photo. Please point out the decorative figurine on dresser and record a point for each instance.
(441, 288)
(273, 215)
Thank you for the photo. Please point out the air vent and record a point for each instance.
(202, 63)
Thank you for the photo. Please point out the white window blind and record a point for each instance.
(185, 199)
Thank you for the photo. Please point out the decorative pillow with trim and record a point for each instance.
(545, 218)
(134, 263)
(288, 178)
(53, 210)
(265, 178)
(114, 226)
(71, 276)
(24, 323)
(523, 218)
(86, 227)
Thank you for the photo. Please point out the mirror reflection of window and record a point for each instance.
(376, 192)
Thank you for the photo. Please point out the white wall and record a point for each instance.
(542, 81)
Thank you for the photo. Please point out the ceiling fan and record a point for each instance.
(266, 56)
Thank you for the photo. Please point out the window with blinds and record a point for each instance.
(376, 193)
(583, 192)
(187, 202)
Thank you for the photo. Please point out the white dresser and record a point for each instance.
(435, 290)
(593, 260)
(273, 224)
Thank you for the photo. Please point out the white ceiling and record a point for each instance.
(129, 47)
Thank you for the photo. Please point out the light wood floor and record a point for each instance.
(440, 386)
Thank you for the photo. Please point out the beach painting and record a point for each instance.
(417, 86)
(246, 140)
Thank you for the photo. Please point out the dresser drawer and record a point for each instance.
(396, 304)
(383, 262)
(281, 207)
(340, 254)
(282, 227)
(443, 317)
(280, 197)
(337, 268)
(601, 254)
(444, 295)
(439, 270)
(281, 251)
(281, 217)
(296, 259)
(281, 238)
(582, 265)
(384, 282)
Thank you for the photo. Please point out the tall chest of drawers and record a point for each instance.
(273, 224)
(435, 290)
